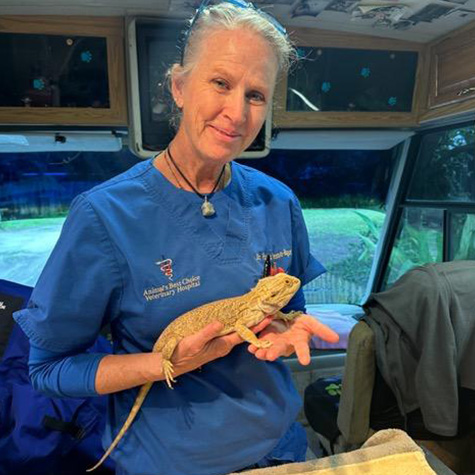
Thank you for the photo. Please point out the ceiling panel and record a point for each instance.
(413, 20)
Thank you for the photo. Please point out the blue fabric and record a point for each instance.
(297, 302)
(136, 252)
(57, 375)
(292, 447)
(27, 446)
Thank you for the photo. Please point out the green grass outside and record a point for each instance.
(340, 221)
(334, 236)
(24, 224)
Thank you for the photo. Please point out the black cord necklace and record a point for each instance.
(207, 208)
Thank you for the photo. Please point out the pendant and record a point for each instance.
(207, 208)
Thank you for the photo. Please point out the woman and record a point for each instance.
(173, 233)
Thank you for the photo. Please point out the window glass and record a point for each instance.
(36, 190)
(343, 195)
(343, 79)
(54, 71)
(418, 241)
(462, 236)
(445, 169)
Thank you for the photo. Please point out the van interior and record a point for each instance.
(373, 128)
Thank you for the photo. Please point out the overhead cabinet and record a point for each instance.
(452, 74)
(71, 71)
(348, 80)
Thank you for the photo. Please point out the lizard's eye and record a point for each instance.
(274, 295)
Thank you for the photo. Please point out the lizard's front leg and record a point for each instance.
(246, 334)
(288, 317)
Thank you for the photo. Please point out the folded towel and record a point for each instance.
(409, 463)
(388, 452)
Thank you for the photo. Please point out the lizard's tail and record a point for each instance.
(133, 412)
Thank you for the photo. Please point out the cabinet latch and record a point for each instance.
(466, 91)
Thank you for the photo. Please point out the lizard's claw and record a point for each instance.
(264, 344)
(168, 372)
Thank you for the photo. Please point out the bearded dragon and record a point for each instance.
(237, 314)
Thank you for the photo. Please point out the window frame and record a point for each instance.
(410, 156)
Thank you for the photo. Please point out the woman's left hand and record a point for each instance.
(293, 338)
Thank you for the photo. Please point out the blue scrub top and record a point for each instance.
(136, 252)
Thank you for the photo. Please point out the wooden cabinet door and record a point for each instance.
(453, 70)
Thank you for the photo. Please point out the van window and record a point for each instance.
(36, 190)
(419, 241)
(437, 212)
(445, 167)
(343, 195)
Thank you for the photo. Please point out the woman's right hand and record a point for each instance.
(206, 345)
(121, 372)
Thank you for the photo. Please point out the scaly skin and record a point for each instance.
(237, 314)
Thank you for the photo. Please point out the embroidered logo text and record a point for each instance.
(261, 256)
(172, 288)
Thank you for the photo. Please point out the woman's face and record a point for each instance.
(226, 96)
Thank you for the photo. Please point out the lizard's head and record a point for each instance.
(275, 292)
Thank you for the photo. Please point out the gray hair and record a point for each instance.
(226, 16)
